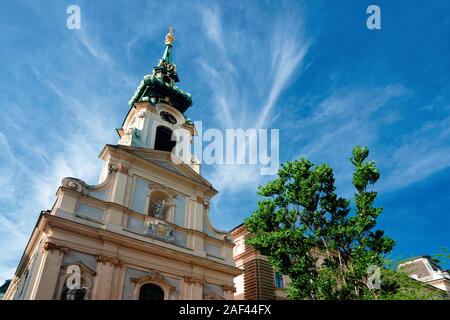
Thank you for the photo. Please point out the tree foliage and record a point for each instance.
(322, 242)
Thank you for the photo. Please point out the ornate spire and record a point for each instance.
(161, 84)
(167, 56)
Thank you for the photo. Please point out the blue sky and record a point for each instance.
(309, 68)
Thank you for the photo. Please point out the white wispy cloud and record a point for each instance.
(213, 26)
(279, 56)
(345, 118)
(352, 116)
(418, 155)
(70, 148)
(7, 171)
(289, 47)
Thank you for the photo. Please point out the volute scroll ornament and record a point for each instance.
(75, 184)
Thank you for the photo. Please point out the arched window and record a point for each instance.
(163, 139)
(150, 291)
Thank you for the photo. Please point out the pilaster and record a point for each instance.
(192, 288)
(107, 272)
(45, 284)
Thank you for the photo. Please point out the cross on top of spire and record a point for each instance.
(170, 37)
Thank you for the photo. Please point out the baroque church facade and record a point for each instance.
(143, 231)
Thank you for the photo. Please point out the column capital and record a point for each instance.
(50, 246)
(112, 260)
(193, 280)
(120, 167)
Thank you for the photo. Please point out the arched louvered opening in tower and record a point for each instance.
(163, 139)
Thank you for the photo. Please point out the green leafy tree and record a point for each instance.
(313, 236)
(398, 285)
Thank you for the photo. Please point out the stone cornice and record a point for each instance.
(125, 210)
(123, 241)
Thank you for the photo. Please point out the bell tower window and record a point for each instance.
(163, 139)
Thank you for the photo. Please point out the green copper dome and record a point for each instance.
(160, 85)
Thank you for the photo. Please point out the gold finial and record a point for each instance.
(170, 37)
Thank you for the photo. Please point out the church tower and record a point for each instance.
(143, 232)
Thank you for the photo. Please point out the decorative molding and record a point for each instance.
(155, 186)
(118, 168)
(55, 224)
(141, 113)
(103, 259)
(50, 246)
(212, 297)
(160, 230)
(229, 288)
(154, 277)
(199, 199)
(193, 280)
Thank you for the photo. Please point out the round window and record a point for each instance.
(166, 116)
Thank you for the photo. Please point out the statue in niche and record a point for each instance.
(159, 208)
(73, 294)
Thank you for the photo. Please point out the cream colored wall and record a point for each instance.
(93, 220)
(115, 219)
(243, 254)
(114, 256)
(146, 119)
(106, 236)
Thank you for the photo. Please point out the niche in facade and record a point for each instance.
(160, 204)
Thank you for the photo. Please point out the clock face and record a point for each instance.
(166, 116)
